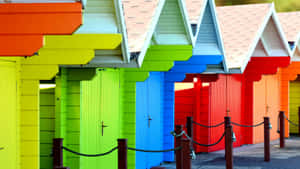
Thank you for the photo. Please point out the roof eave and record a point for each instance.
(150, 33)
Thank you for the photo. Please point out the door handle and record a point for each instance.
(149, 121)
(102, 127)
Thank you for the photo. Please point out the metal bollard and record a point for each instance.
(281, 127)
(228, 143)
(267, 138)
(186, 154)
(122, 153)
(299, 121)
(178, 130)
(189, 126)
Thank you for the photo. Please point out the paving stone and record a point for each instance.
(252, 157)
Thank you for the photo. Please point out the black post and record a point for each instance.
(179, 162)
(267, 138)
(281, 127)
(228, 143)
(58, 154)
(189, 126)
(186, 154)
(122, 153)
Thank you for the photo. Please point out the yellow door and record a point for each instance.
(8, 118)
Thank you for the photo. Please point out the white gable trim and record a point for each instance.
(297, 45)
(154, 23)
(122, 27)
(200, 21)
(212, 6)
(218, 31)
(186, 21)
(271, 15)
(150, 33)
(265, 46)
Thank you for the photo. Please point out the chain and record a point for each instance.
(290, 121)
(154, 151)
(217, 125)
(209, 145)
(90, 155)
(241, 125)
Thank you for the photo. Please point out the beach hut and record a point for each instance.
(289, 83)
(99, 38)
(105, 104)
(21, 72)
(255, 45)
(208, 57)
(252, 36)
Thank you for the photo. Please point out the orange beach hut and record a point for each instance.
(290, 81)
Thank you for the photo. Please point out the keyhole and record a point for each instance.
(149, 120)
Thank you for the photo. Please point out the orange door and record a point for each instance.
(266, 102)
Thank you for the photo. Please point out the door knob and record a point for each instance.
(102, 127)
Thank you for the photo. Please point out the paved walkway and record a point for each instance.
(252, 157)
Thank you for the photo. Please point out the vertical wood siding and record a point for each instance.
(149, 134)
(9, 125)
(294, 104)
(288, 75)
(100, 103)
(266, 93)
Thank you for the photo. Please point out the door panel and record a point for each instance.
(141, 123)
(149, 121)
(294, 103)
(100, 107)
(273, 103)
(154, 125)
(259, 108)
(8, 120)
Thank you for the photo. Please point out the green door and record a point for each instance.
(294, 104)
(99, 129)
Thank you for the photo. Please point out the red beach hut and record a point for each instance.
(255, 48)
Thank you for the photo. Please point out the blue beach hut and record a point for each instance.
(155, 96)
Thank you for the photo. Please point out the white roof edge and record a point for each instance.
(150, 33)
(271, 13)
(186, 21)
(281, 33)
(154, 24)
(121, 23)
(200, 20)
(297, 43)
(218, 30)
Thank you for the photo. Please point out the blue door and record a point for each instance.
(149, 102)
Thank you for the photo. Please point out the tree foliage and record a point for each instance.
(281, 5)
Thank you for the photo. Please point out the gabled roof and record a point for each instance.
(195, 9)
(208, 40)
(142, 19)
(244, 27)
(38, 1)
(105, 17)
(291, 26)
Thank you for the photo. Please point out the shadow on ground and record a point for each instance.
(252, 157)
